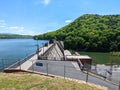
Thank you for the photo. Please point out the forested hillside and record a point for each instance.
(89, 33)
(11, 36)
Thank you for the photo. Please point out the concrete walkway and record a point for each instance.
(26, 65)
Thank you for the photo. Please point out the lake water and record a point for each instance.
(102, 58)
(12, 50)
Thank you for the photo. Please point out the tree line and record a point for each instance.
(13, 36)
(90, 32)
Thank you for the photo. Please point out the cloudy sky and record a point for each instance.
(40, 16)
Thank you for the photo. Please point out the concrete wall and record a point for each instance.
(54, 53)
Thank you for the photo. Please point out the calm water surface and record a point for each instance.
(13, 49)
(102, 58)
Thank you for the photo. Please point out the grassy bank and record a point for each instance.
(37, 82)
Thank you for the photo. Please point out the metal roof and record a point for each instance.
(78, 57)
(67, 52)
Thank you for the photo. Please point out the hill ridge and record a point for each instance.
(89, 32)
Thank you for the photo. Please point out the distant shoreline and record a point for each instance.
(14, 36)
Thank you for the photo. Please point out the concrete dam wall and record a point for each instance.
(54, 52)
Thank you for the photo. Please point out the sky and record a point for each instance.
(33, 17)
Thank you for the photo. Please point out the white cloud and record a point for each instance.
(2, 26)
(68, 21)
(44, 2)
(21, 30)
(17, 28)
(6, 28)
(13, 27)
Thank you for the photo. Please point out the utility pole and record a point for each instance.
(37, 52)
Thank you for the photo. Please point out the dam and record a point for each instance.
(51, 51)
(53, 60)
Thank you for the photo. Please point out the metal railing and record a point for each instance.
(13, 63)
(21, 61)
(80, 64)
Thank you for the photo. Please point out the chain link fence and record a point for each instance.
(66, 69)
(69, 69)
(13, 63)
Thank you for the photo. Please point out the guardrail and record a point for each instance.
(80, 64)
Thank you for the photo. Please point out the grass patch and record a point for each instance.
(37, 82)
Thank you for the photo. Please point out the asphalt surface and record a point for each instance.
(70, 70)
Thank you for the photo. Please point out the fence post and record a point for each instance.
(119, 86)
(87, 76)
(64, 71)
(47, 68)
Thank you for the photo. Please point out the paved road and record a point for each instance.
(70, 70)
